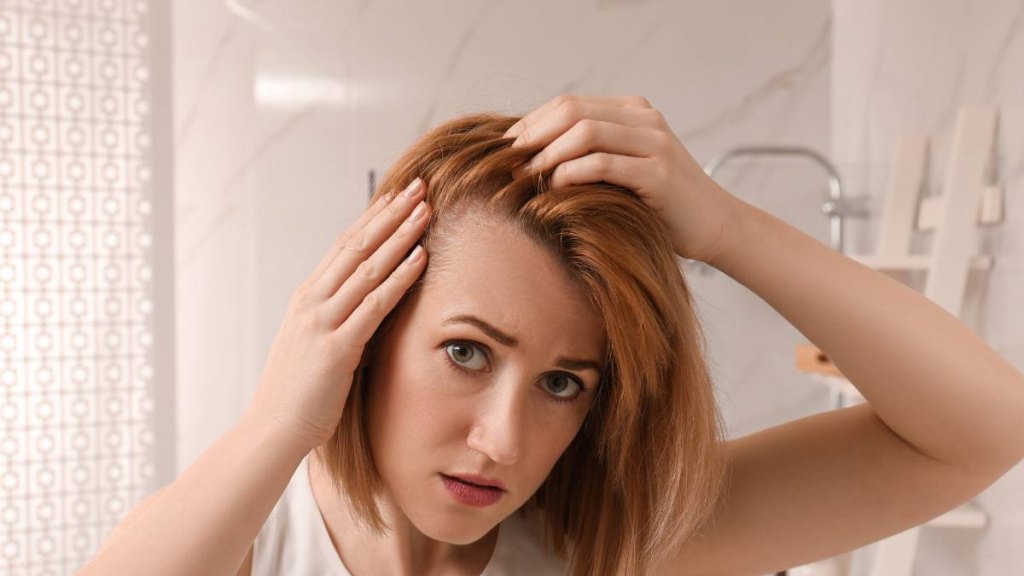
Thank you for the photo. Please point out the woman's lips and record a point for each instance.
(478, 480)
(471, 494)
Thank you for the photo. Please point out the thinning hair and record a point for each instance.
(646, 469)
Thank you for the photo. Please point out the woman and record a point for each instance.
(561, 280)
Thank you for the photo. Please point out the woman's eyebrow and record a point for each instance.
(512, 342)
(489, 329)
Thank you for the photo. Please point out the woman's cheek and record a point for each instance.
(428, 396)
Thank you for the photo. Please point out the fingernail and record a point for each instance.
(413, 188)
(415, 255)
(418, 213)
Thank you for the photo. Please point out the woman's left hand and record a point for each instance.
(624, 141)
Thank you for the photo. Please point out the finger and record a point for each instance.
(589, 136)
(364, 242)
(359, 327)
(637, 174)
(528, 120)
(370, 273)
(547, 129)
(340, 240)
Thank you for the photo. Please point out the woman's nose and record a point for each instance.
(498, 428)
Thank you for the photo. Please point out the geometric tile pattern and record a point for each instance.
(76, 338)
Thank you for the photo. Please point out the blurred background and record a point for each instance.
(171, 171)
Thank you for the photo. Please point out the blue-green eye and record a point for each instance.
(562, 382)
(466, 355)
(469, 357)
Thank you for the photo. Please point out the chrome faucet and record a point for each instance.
(835, 207)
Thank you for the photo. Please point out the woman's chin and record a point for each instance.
(453, 529)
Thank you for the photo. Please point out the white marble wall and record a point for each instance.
(907, 66)
(282, 108)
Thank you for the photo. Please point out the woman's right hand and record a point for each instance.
(333, 314)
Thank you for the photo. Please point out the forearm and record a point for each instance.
(205, 521)
(926, 375)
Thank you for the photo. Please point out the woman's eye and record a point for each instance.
(564, 386)
(466, 355)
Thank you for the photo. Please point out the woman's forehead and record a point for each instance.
(492, 270)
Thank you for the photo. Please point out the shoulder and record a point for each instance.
(287, 507)
(271, 539)
(294, 540)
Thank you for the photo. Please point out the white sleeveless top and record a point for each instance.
(294, 540)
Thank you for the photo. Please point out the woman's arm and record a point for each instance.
(945, 414)
(205, 521)
(929, 378)
(932, 381)
(943, 419)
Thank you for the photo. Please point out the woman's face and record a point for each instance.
(489, 369)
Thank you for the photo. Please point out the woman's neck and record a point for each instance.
(404, 550)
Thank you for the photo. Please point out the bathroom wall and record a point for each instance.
(282, 108)
(904, 66)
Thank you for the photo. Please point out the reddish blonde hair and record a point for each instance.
(647, 467)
